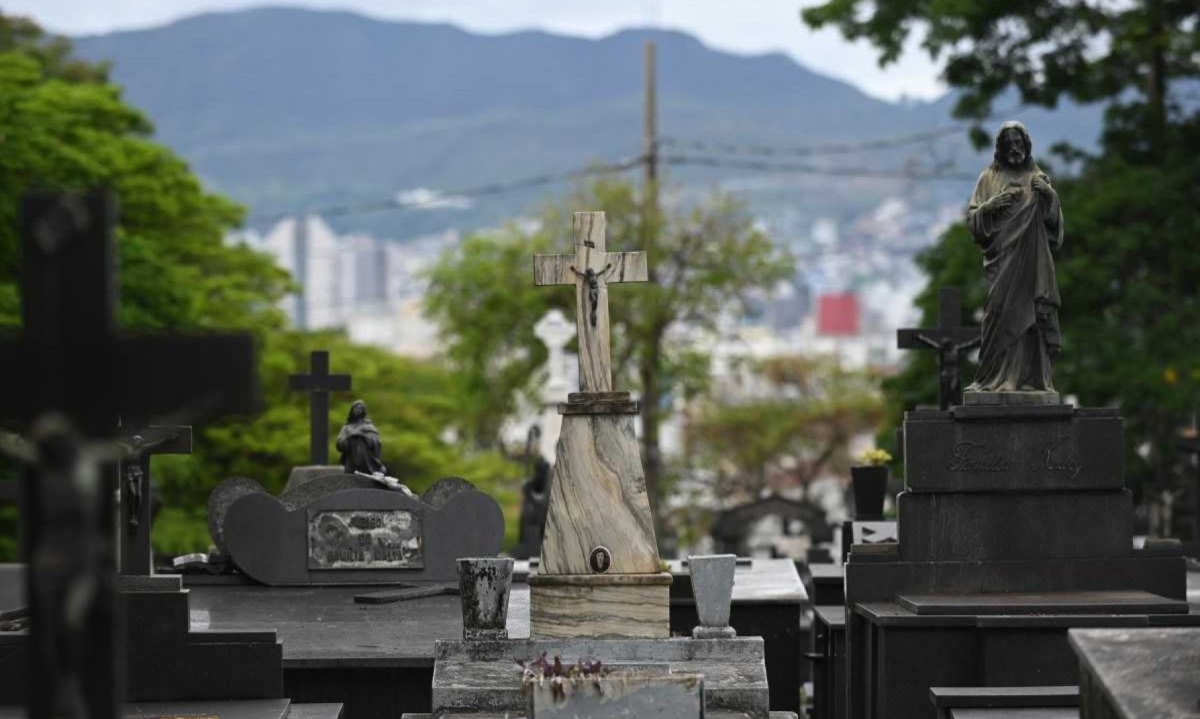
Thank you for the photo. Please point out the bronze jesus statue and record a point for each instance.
(1015, 218)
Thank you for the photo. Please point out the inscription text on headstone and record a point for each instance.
(364, 539)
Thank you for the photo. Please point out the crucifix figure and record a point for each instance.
(950, 339)
(75, 375)
(319, 383)
(136, 503)
(591, 269)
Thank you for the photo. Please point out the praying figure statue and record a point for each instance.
(359, 443)
(1016, 219)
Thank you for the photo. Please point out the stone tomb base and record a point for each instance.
(484, 677)
(600, 605)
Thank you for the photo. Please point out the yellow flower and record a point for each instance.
(875, 457)
(1170, 375)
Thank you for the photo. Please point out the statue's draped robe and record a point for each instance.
(361, 447)
(1020, 323)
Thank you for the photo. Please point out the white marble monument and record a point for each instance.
(600, 574)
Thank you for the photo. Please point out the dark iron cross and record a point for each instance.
(137, 511)
(950, 339)
(68, 379)
(319, 383)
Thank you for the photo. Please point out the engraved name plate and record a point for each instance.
(364, 539)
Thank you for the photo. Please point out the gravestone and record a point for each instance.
(348, 529)
(599, 554)
(950, 339)
(77, 374)
(600, 592)
(1015, 525)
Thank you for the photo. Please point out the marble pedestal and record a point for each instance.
(484, 677)
(599, 574)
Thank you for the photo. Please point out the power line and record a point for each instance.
(448, 196)
(760, 166)
(726, 148)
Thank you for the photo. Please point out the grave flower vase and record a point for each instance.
(485, 583)
(869, 483)
(712, 587)
(620, 694)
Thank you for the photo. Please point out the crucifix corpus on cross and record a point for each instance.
(950, 339)
(591, 268)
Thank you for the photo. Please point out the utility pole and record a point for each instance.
(650, 122)
(651, 358)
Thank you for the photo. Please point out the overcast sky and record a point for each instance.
(745, 26)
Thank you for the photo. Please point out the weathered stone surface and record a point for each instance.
(1010, 603)
(601, 606)
(305, 474)
(270, 540)
(484, 677)
(223, 496)
(993, 526)
(484, 583)
(945, 454)
(620, 695)
(1010, 398)
(712, 586)
(1152, 672)
(598, 499)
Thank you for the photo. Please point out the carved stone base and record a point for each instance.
(600, 606)
(1011, 398)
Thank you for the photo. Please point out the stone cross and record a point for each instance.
(555, 332)
(950, 339)
(136, 510)
(591, 268)
(319, 383)
(68, 378)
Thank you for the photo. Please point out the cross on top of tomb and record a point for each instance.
(949, 339)
(319, 383)
(591, 268)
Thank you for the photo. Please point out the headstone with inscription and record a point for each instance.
(349, 529)
(1015, 523)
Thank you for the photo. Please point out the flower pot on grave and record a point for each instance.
(712, 588)
(869, 483)
(485, 583)
(618, 694)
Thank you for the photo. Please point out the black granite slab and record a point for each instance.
(1008, 713)
(1110, 602)
(1026, 525)
(1000, 697)
(246, 709)
(1133, 673)
(950, 454)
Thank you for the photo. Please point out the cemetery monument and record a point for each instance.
(1014, 524)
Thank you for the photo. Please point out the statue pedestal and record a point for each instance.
(599, 574)
(1011, 398)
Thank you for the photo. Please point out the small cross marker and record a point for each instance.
(950, 339)
(591, 269)
(319, 383)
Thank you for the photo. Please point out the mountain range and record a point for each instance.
(286, 110)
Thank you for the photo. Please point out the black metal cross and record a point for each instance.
(319, 383)
(950, 339)
(136, 510)
(66, 382)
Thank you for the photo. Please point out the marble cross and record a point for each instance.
(555, 331)
(591, 268)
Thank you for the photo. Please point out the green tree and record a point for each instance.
(703, 260)
(1127, 272)
(796, 427)
(63, 125)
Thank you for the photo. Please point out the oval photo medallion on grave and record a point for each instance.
(600, 560)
